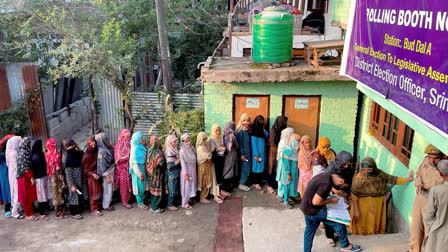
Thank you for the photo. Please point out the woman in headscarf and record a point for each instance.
(156, 169)
(304, 163)
(342, 165)
(57, 180)
(173, 170)
(243, 136)
(204, 166)
(72, 161)
(5, 192)
(322, 156)
(281, 122)
(25, 178)
(369, 188)
(258, 141)
(188, 178)
(218, 155)
(105, 168)
(89, 166)
(122, 154)
(39, 166)
(288, 173)
(137, 168)
(282, 146)
(12, 148)
(230, 170)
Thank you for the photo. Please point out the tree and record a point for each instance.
(164, 47)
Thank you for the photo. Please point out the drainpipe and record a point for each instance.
(357, 125)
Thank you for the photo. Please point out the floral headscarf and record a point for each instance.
(24, 157)
(304, 160)
(123, 147)
(171, 151)
(187, 151)
(328, 153)
(155, 154)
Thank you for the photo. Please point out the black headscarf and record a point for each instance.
(24, 157)
(281, 122)
(258, 127)
(38, 162)
(3, 152)
(72, 157)
(335, 167)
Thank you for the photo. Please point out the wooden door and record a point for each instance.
(253, 105)
(303, 114)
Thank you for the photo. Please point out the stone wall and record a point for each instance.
(337, 109)
(65, 122)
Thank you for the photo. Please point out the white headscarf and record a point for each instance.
(187, 152)
(282, 145)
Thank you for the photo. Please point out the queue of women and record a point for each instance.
(172, 175)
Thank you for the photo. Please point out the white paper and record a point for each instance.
(338, 212)
(252, 102)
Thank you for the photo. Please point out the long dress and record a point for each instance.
(245, 149)
(122, 155)
(217, 166)
(188, 188)
(288, 188)
(137, 167)
(27, 192)
(11, 161)
(89, 167)
(57, 180)
(105, 167)
(230, 169)
(259, 150)
(5, 193)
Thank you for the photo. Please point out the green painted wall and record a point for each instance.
(338, 105)
(340, 11)
(403, 196)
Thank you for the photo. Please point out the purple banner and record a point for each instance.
(400, 50)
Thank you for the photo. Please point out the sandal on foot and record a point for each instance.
(144, 207)
(97, 213)
(331, 242)
(8, 215)
(128, 206)
(258, 187)
(172, 208)
(110, 208)
(77, 217)
(244, 188)
(32, 218)
(187, 207)
(156, 211)
(205, 201)
(219, 201)
(63, 217)
(19, 217)
(271, 190)
(44, 217)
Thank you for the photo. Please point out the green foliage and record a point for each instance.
(15, 119)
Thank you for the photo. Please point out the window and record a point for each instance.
(317, 5)
(391, 132)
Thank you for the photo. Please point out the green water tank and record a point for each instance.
(272, 34)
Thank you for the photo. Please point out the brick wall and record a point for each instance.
(338, 105)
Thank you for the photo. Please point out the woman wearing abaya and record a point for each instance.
(91, 178)
(39, 166)
(281, 122)
(258, 142)
(25, 179)
(105, 168)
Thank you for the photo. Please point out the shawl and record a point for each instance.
(11, 148)
(171, 151)
(229, 133)
(328, 153)
(155, 154)
(203, 151)
(293, 147)
(3, 151)
(138, 150)
(123, 147)
(276, 130)
(258, 127)
(89, 159)
(336, 165)
(71, 157)
(282, 144)
(442, 166)
(217, 138)
(38, 159)
(376, 184)
(105, 153)
(241, 124)
(304, 159)
(52, 157)
(24, 157)
(187, 151)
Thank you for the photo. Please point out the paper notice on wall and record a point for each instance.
(338, 212)
(301, 103)
(252, 102)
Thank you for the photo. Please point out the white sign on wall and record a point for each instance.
(252, 102)
(301, 103)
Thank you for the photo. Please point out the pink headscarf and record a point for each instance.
(53, 157)
(171, 152)
(123, 147)
(304, 161)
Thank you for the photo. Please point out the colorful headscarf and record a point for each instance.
(281, 122)
(328, 153)
(123, 147)
(52, 157)
(3, 143)
(229, 133)
(89, 159)
(217, 138)
(155, 154)
(203, 152)
(105, 153)
(187, 151)
(138, 150)
(24, 157)
(376, 184)
(304, 160)
(171, 151)
(258, 127)
(12, 148)
(284, 137)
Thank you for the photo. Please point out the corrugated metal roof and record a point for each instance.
(109, 118)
